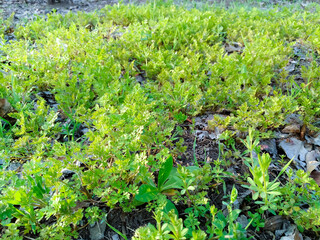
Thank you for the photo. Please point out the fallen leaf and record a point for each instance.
(315, 175)
(274, 223)
(294, 128)
(295, 150)
(5, 109)
(189, 120)
(292, 234)
(312, 164)
(270, 147)
(315, 140)
(311, 160)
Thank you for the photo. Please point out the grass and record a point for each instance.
(90, 62)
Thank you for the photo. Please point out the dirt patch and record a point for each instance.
(29, 9)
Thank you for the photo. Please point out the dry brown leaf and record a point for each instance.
(293, 128)
(274, 223)
(303, 131)
(312, 164)
(316, 176)
(5, 109)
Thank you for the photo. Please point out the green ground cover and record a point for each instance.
(131, 75)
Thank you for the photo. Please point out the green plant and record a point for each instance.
(168, 180)
(133, 75)
(70, 129)
(296, 193)
(260, 184)
(193, 183)
(226, 227)
(256, 220)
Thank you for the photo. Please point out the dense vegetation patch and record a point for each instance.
(94, 107)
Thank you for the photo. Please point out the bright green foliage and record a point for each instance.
(168, 180)
(218, 225)
(90, 62)
(299, 191)
(260, 184)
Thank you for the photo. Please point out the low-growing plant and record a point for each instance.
(168, 181)
(131, 74)
(226, 227)
(218, 227)
(301, 200)
(260, 185)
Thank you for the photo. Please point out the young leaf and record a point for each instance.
(174, 181)
(170, 206)
(147, 193)
(165, 171)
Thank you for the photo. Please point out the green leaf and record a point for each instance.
(174, 181)
(252, 183)
(147, 193)
(234, 195)
(274, 193)
(234, 215)
(170, 206)
(255, 195)
(164, 171)
(273, 186)
(17, 199)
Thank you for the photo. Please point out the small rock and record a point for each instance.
(199, 123)
(201, 134)
(80, 164)
(316, 140)
(290, 68)
(280, 135)
(140, 79)
(243, 220)
(97, 230)
(279, 233)
(66, 174)
(5, 109)
(311, 159)
(115, 237)
(213, 136)
(308, 147)
(116, 35)
(13, 166)
(292, 234)
(84, 131)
